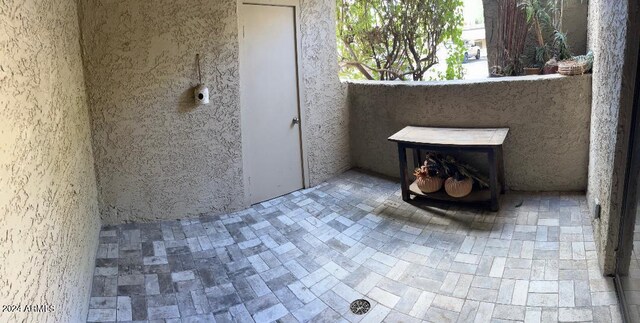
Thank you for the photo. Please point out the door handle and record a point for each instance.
(295, 120)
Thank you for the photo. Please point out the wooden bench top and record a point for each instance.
(451, 136)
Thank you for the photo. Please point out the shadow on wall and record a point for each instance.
(186, 103)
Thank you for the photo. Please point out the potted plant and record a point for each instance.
(537, 13)
(550, 67)
(429, 176)
(551, 43)
(560, 50)
(534, 69)
(560, 47)
(576, 65)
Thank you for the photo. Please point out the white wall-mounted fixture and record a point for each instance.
(201, 92)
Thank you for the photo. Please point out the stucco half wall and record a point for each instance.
(49, 219)
(548, 144)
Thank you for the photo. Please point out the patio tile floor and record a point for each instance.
(307, 255)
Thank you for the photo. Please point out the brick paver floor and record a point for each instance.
(307, 255)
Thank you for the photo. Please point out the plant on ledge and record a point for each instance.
(519, 20)
(551, 44)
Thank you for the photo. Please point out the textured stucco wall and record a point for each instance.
(156, 156)
(325, 97)
(613, 77)
(548, 116)
(48, 209)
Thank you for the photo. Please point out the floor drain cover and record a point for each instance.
(360, 306)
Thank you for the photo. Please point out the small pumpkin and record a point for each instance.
(426, 182)
(458, 187)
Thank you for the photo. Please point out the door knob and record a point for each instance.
(295, 120)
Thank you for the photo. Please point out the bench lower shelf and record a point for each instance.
(476, 196)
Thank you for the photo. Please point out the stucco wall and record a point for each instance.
(613, 77)
(325, 97)
(548, 117)
(156, 156)
(48, 210)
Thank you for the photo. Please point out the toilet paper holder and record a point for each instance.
(201, 92)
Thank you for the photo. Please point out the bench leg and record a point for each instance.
(402, 154)
(493, 178)
(503, 186)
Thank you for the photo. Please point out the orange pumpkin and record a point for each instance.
(456, 188)
(429, 184)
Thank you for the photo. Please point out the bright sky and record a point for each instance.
(472, 12)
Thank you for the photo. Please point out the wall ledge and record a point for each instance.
(488, 80)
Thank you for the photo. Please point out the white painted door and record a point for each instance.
(269, 96)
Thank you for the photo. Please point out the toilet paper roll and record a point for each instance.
(201, 95)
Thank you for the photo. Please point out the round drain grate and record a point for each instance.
(360, 306)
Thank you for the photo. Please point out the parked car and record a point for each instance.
(471, 49)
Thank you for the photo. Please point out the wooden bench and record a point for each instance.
(452, 140)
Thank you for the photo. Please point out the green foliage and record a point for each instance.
(540, 10)
(398, 39)
(540, 56)
(456, 57)
(542, 27)
(538, 13)
(560, 47)
(551, 42)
